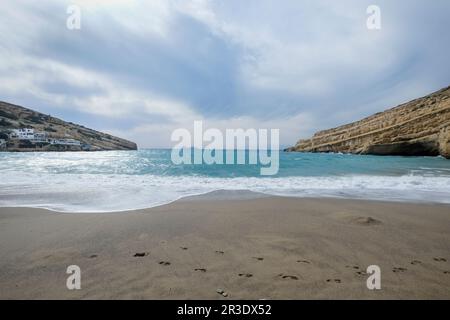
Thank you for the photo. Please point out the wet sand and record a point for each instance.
(250, 247)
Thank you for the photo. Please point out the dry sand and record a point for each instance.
(250, 247)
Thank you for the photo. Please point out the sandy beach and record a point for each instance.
(250, 246)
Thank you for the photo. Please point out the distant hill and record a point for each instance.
(17, 117)
(417, 128)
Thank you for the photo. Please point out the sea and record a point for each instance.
(110, 181)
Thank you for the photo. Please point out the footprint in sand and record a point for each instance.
(219, 252)
(361, 273)
(334, 280)
(140, 254)
(285, 276)
(93, 256)
(303, 261)
(247, 275)
(222, 292)
(164, 263)
(184, 248)
(200, 269)
(353, 267)
(366, 221)
(398, 269)
(415, 262)
(440, 259)
(446, 272)
(258, 258)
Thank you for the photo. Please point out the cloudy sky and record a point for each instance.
(140, 69)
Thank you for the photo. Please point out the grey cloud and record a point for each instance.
(263, 59)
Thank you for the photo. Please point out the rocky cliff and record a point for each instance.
(17, 117)
(417, 128)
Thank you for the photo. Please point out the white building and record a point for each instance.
(28, 134)
(40, 137)
(65, 142)
(23, 134)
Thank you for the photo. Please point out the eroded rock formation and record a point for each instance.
(416, 128)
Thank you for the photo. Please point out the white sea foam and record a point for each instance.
(117, 192)
(116, 181)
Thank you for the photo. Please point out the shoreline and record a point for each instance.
(251, 246)
(224, 194)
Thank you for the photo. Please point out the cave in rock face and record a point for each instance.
(422, 148)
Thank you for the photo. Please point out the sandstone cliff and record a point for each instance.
(16, 117)
(416, 128)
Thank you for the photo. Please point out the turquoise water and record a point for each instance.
(121, 180)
